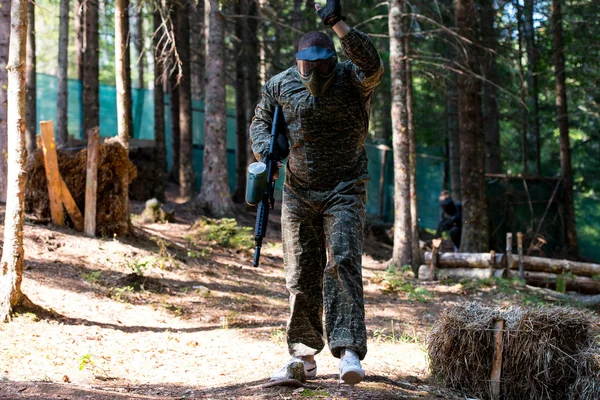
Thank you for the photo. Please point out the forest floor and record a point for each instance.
(174, 313)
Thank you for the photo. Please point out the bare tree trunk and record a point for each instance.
(491, 124)
(187, 179)
(563, 127)
(523, 90)
(215, 195)
(532, 71)
(175, 136)
(241, 74)
(297, 21)
(401, 142)
(13, 254)
(197, 49)
(412, 171)
(475, 223)
(4, 44)
(138, 41)
(159, 105)
(90, 84)
(31, 113)
(123, 86)
(453, 138)
(78, 24)
(251, 50)
(62, 82)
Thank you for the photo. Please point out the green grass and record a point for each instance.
(224, 232)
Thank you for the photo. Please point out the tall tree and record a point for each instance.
(241, 75)
(123, 86)
(173, 85)
(4, 44)
(12, 262)
(453, 138)
(402, 254)
(78, 25)
(475, 223)
(31, 113)
(562, 118)
(62, 83)
(491, 121)
(138, 42)
(187, 178)
(251, 64)
(412, 171)
(197, 48)
(532, 84)
(297, 21)
(159, 102)
(215, 195)
(91, 51)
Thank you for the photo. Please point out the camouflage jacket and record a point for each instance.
(326, 134)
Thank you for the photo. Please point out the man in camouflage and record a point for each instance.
(326, 106)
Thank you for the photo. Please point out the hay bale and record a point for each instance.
(113, 163)
(541, 347)
(587, 384)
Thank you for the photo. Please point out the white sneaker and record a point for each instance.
(351, 371)
(310, 369)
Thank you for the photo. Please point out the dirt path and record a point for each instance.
(169, 315)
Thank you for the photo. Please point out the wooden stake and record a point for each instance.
(71, 206)
(497, 364)
(520, 247)
(436, 243)
(52, 173)
(91, 183)
(492, 263)
(509, 257)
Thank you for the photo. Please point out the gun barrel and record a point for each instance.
(256, 256)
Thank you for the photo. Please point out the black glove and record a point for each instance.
(331, 14)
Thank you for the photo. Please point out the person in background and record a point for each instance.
(450, 219)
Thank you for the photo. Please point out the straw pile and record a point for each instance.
(543, 352)
(113, 163)
(587, 384)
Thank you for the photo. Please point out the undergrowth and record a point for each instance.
(224, 232)
(403, 280)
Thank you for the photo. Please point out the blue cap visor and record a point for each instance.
(315, 53)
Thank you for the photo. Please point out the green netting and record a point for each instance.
(430, 167)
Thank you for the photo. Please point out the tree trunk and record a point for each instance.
(175, 136)
(31, 112)
(532, 83)
(491, 124)
(78, 24)
(563, 127)
(159, 105)
(4, 43)
(241, 74)
(414, 209)
(197, 48)
(187, 179)
(139, 45)
(62, 82)
(402, 217)
(297, 22)
(214, 195)
(123, 86)
(90, 84)
(524, 111)
(475, 224)
(12, 262)
(453, 138)
(251, 64)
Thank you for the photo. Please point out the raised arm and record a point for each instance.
(357, 46)
(260, 129)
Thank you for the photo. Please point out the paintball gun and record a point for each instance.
(260, 185)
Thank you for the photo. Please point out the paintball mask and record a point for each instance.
(317, 68)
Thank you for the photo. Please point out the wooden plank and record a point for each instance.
(520, 247)
(91, 183)
(71, 206)
(509, 257)
(574, 283)
(52, 173)
(497, 364)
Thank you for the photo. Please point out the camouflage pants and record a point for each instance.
(322, 243)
